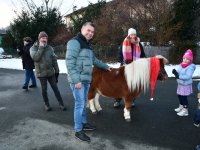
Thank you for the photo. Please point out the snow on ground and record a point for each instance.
(16, 63)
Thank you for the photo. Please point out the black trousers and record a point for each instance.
(52, 82)
(183, 100)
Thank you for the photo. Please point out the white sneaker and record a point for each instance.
(196, 125)
(183, 112)
(179, 108)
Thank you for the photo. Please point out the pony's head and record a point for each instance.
(162, 75)
(157, 71)
(139, 73)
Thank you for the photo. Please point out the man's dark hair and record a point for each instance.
(89, 23)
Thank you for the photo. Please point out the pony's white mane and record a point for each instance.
(137, 74)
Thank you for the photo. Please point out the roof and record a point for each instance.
(76, 12)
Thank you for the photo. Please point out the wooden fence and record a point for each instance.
(109, 53)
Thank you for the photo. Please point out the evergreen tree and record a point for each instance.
(31, 23)
(88, 14)
(183, 18)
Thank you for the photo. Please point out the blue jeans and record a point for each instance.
(198, 86)
(197, 117)
(198, 147)
(80, 99)
(29, 75)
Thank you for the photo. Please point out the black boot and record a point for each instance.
(25, 87)
(33, 86)
(88, 127)
(62, 107)
(82, 136)
(47, 107)
(117, 103)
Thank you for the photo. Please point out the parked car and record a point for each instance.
(5, 56)
(1, 50)
(2, 55)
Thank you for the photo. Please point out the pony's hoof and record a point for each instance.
(94, 113)
(100, 112)
(128, 120)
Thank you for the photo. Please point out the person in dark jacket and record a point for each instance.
(28, 63)
(46, 67)
(130, 50)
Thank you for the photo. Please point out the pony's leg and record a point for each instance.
(127, 108)
(91, 96)
(127, 115)
(91, 106)
(96, 103)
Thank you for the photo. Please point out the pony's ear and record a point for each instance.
(163, 59)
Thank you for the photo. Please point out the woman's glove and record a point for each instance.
(175, 73)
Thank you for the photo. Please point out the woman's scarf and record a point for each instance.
(130, 53)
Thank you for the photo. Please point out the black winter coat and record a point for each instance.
(120, 54)
(27, 61)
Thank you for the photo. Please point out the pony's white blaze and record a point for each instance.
(137, 74)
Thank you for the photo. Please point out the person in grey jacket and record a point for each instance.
(46, 68)
(79, 61)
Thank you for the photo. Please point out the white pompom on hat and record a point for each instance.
(131, 31)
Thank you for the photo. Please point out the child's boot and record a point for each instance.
(179, 108)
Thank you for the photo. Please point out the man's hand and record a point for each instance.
(175, 73)
(78, 85)
(42, 44)
(109, 68)
(56, 75)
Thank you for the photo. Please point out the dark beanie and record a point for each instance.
(42, 34)
(27, 39)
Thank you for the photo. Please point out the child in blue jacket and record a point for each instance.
(183, 76)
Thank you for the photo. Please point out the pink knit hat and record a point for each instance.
(188, 54)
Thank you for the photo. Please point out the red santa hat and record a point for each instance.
(154, 70)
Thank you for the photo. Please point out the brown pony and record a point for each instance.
(126, 82)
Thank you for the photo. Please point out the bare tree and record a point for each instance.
(147, 16)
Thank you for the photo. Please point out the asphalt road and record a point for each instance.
(24, 125)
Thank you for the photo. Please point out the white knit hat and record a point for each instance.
(131, 31)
